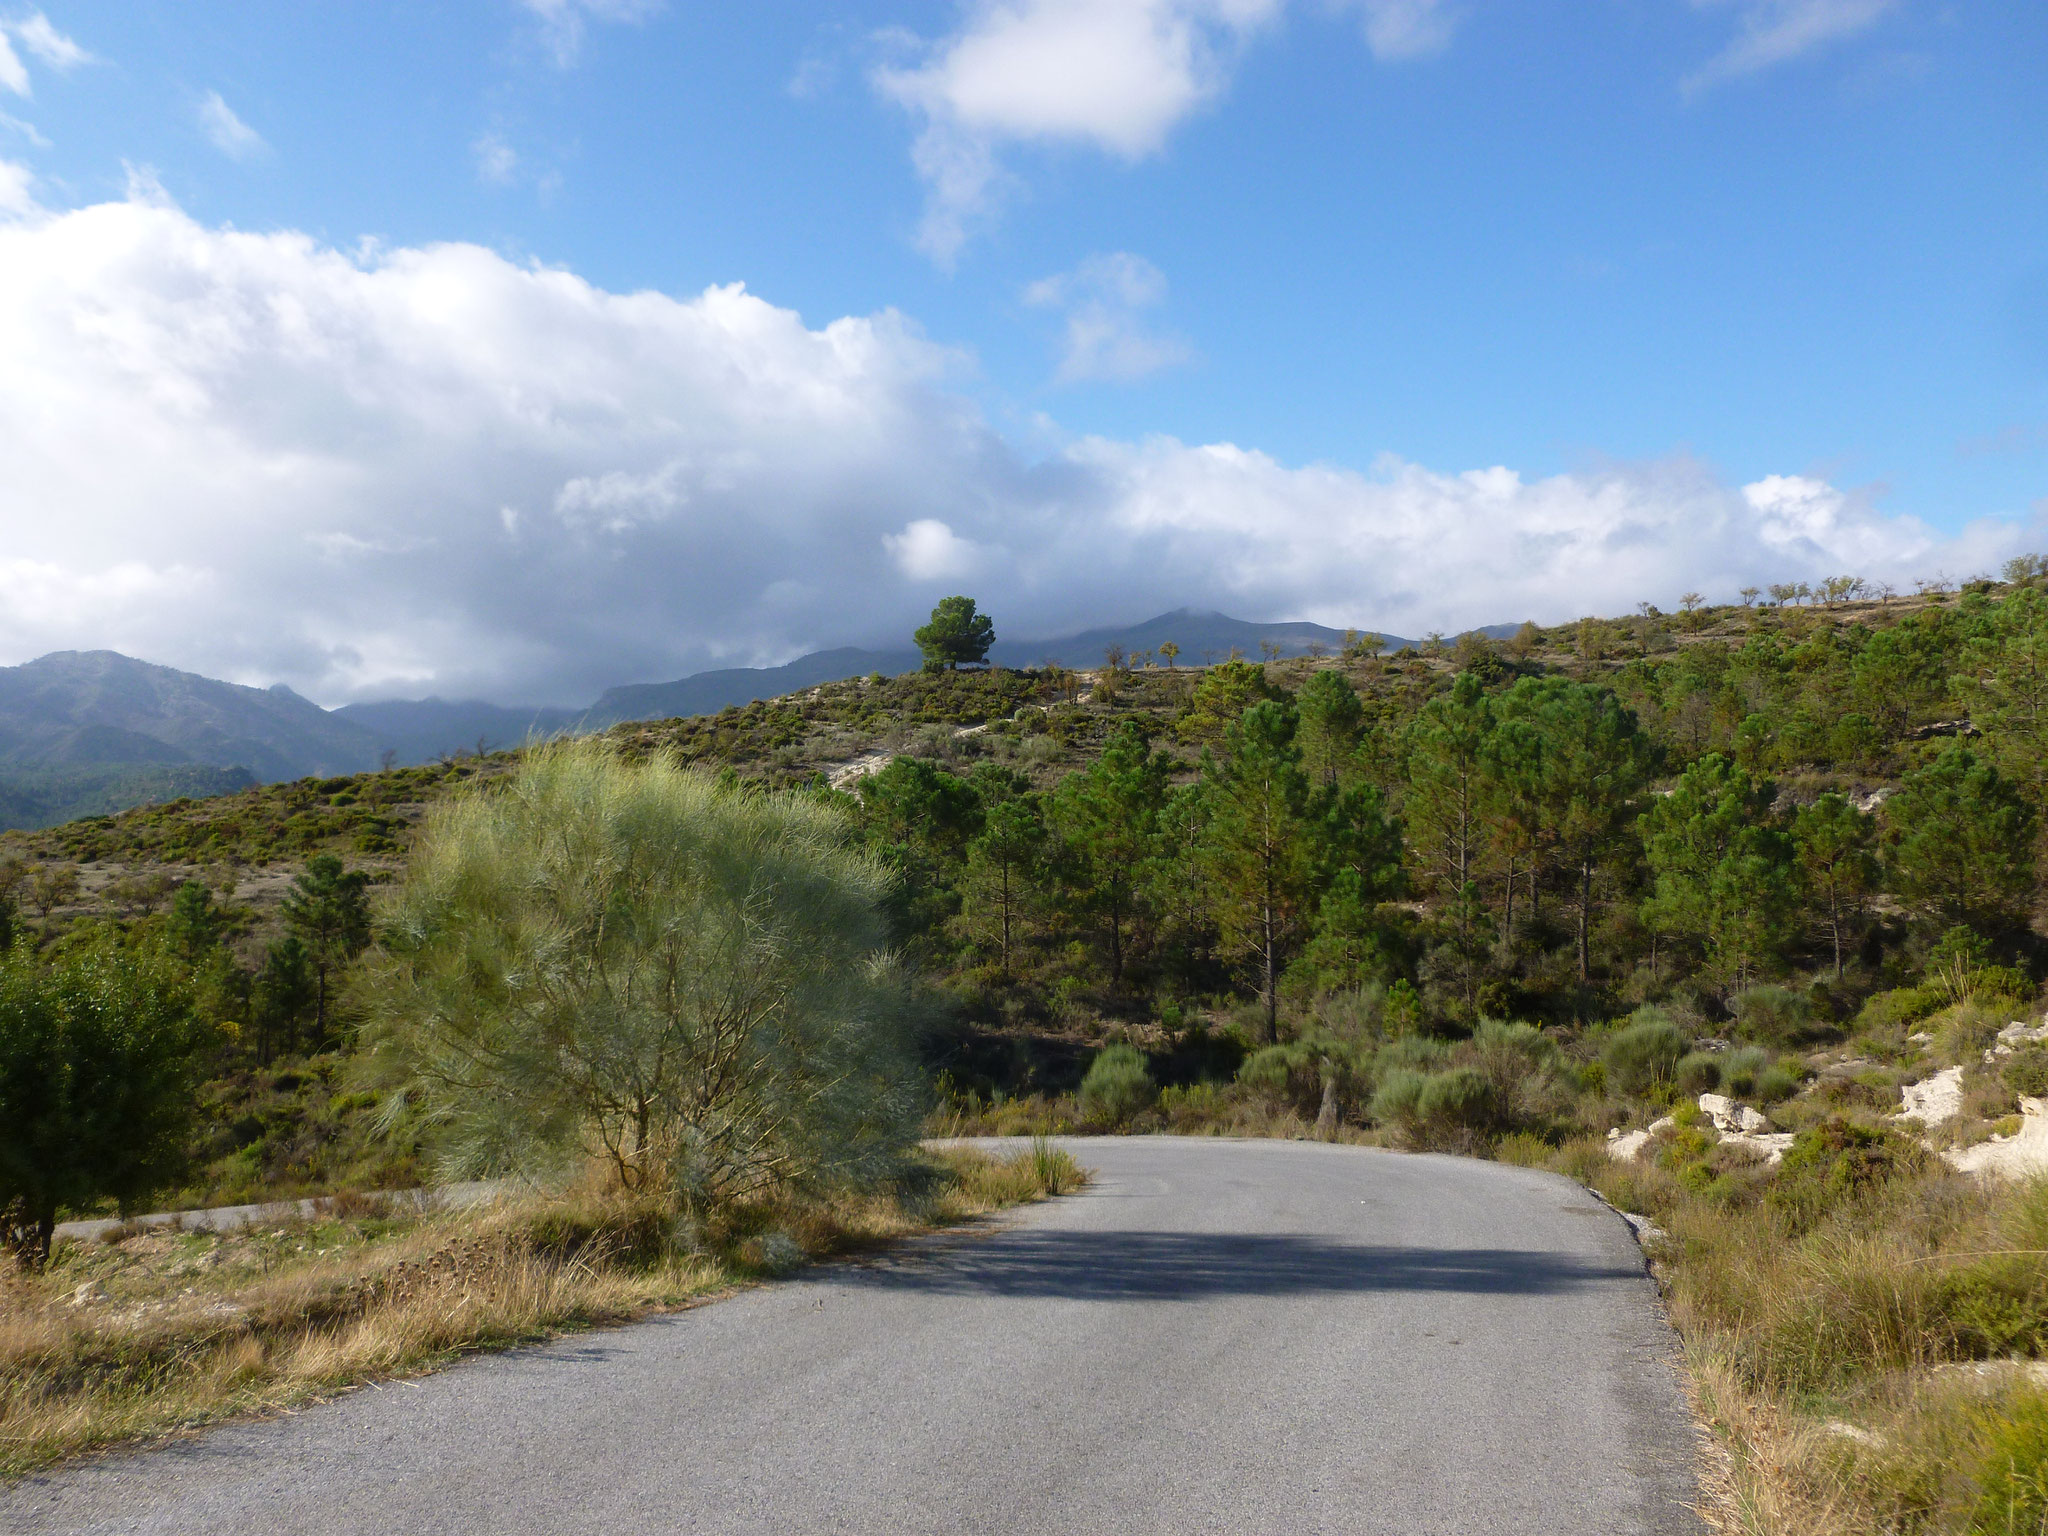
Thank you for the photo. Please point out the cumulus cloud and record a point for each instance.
(227, 132)
(431, 469)
(1113, 75)
(929, 550)
(1772, 32)
(17, 189)
(563, 22)
(1106, 336)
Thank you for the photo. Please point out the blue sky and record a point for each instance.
(1727, 287)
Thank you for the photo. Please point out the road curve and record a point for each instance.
(1216, 1336)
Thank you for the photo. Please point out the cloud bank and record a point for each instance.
(395, 472)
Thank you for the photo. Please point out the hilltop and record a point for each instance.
(1041, 722)
(91, 733)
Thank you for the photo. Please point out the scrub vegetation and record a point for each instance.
(1503, 898)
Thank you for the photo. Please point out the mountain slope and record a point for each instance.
(421, 730)
(704, 693)
(95, 708)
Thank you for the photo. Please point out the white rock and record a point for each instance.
(1936, 1101)
(2018, 1156)
(1728, 1115)
(1770, 1146)
(1627, 1146)
(92, 1293)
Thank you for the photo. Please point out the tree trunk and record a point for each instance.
(1326, 1117)
(1116, 942)
(1585, 913)
(1006, 921)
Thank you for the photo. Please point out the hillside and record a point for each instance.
(69, 719)
(1042, 725)
(94, 708)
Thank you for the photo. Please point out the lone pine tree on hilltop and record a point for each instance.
(956, 634)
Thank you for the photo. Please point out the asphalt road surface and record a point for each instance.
(1216, 1336)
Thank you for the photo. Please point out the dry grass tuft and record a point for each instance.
(164, 1330)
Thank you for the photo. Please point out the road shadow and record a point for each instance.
(1185, 1266)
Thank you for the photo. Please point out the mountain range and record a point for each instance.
(90, 732)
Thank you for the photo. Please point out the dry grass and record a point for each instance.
(164, 1331)
(1869, 1357)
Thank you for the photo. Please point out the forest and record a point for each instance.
(1776, 821)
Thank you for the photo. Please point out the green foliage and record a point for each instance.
(328, 911)
(1775, 1016)
(1107, 819)
(1258, 855)
(1643, 1054)
(1723, 876)
(956, 634)
(620, 960)
(1453, 1110)
(2012, 1470)
(1962, 842)
(1332, 722)
(98, 1055)
(1448, 782)
(1224, 693)
(1836, 846)
(1838, 1160)
(194, 925)
(2026, 1071)
(1118, 1086)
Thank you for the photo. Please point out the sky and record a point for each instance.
(521, 348)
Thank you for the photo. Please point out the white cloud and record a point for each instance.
(228, 133)
(17, 200)
(496, 161)
(929, 550)
(26, 130)
(1113, 75)
(40, 39)
(1106, 336)
(563, 22)
(435, 470)
(48, 44)
(13, 73)
(1404, 29)
(1771, 32)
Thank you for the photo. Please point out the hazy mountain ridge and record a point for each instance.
(95, 708)
(91, 732)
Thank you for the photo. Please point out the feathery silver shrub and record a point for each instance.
(623, 959)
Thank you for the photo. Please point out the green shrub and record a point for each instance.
(1898, 1009)
(1740, 1069)
(1777, 1082)
(2027, 1071)
(1838, 1160)
(1118, 1086)
(2012, 1470)
(1643, 1054)
(1698, 1072)
(1453, 1110)
(1775, 1016)
(597, 954)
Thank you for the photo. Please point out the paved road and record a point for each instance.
(1215, 1337)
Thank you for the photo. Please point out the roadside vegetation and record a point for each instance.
(148, 1331)
(1531, 899)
